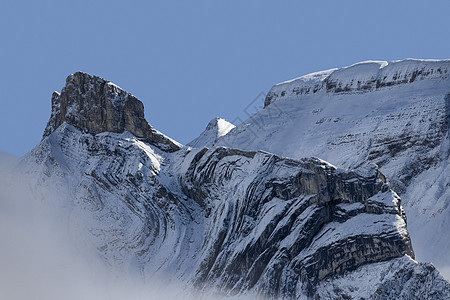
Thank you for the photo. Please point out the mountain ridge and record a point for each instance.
(361, 77)
(227, 220)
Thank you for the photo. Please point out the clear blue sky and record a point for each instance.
(190, 61)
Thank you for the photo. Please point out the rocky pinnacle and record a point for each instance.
(94, 105)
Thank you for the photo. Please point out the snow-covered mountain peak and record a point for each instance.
(222, 126)
(238, 220)
(361, 77)
(94, 105)
(215, 129)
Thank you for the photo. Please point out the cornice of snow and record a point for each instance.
(361, 77)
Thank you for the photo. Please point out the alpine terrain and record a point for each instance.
(254, 210)
(395, 115)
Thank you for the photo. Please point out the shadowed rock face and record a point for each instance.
(278, 223)
(94, 105)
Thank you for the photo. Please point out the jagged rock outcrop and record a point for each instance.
(93, 104)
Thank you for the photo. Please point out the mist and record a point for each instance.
(42, 258)
(39, 258)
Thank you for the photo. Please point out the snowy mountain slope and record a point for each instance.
(282, 216)
(114, 189)
(215, 129)
(396, 279)
(225, 220)
(395, 115)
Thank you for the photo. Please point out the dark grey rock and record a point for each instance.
(93, 104)
(311, 192)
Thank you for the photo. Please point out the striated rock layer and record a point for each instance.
(228, 221)
(275, 223)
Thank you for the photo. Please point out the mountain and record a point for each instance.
(216, 128)
(224, 220)
(395, 115)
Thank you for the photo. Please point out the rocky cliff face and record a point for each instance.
(95, 105)
(228, 221)
(276, 224)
